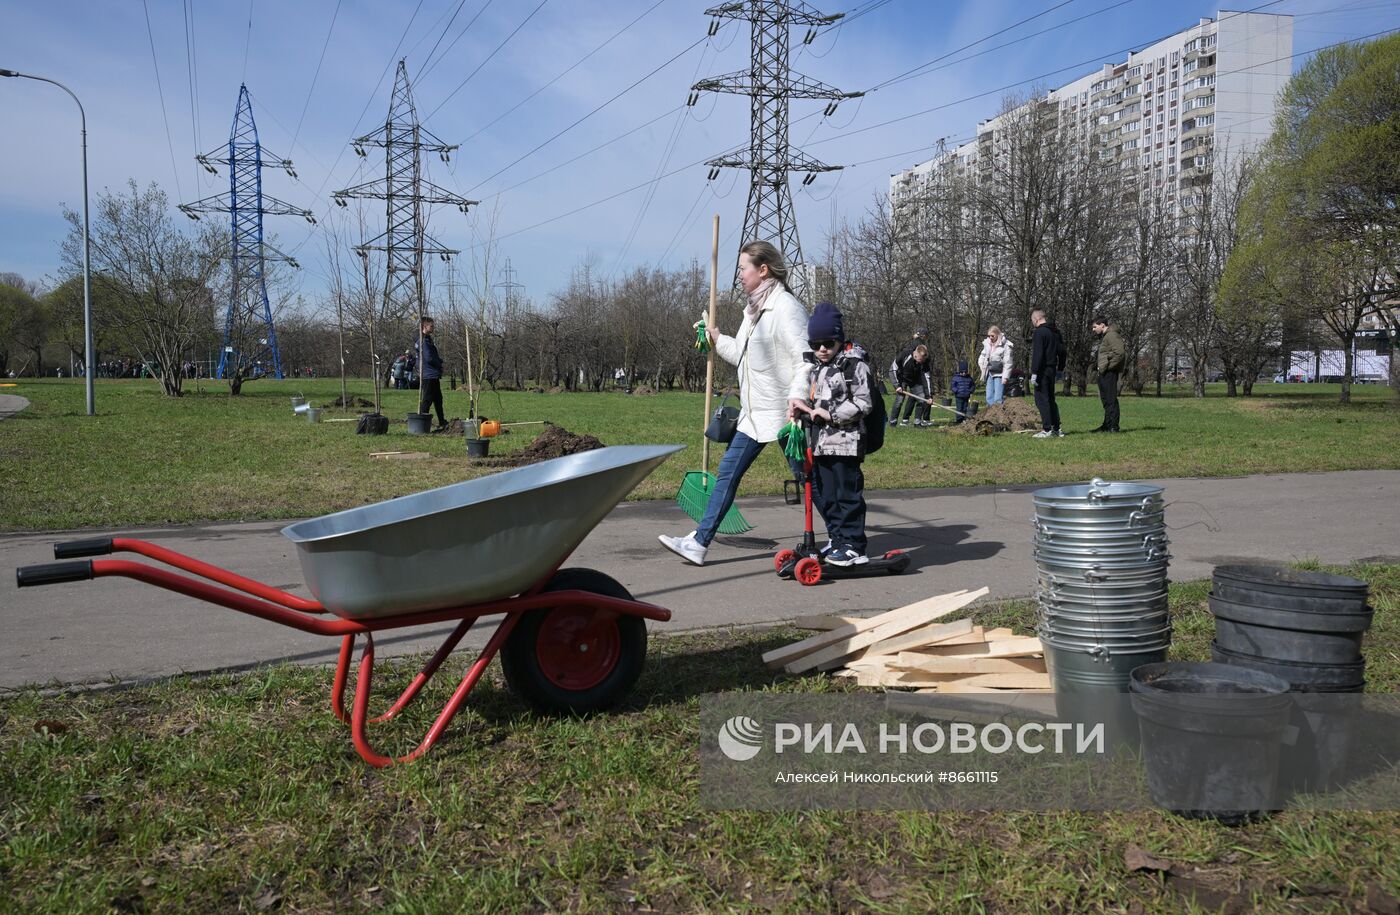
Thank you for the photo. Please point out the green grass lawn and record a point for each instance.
(243, 792)
(149, 459)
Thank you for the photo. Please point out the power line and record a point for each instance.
(192, 72)
(247, 42)
(590, 114)
(307, 104)
(487, 59)
(447, 28)
(169, 141)
(431, 65)
(571, 69)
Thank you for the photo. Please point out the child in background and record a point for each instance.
(839, 396)
(962, 389)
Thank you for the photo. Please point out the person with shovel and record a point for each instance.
(769, 352)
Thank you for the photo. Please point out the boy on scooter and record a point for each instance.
(839, 396)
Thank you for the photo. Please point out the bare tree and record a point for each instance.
(162, 282)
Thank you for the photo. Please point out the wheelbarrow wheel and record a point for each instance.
(574, 660)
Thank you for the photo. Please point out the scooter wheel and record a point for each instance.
(891, 554)
(783, 558)
(808, 571)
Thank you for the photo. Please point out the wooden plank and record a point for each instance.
(933, 664)
(938, 633)
(903, 622)
(1002, 648)
(999, 633)
(1003, 681)
(955, 687)
(916, 614)
(400, 455)
(824, 623)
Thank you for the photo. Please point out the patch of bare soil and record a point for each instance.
(553, 442)
(1015, 414)
(354, 402)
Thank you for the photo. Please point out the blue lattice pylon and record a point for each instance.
(250, 340)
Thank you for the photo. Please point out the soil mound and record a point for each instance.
(553, 442)
(1015, 414)
(354, 402)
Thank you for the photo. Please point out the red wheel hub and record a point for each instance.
(578, 647)
(808, 571)
(783, 558)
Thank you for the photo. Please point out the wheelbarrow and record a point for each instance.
(572, 641)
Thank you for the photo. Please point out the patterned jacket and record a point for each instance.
(847, 403)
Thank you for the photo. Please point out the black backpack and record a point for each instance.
(877, 417)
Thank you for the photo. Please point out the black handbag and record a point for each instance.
(725, 421)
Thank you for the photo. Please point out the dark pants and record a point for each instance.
(962, 409)
(911, 406)
(1045, 401)
(1108, 393)
(838, 495)
(430, 395)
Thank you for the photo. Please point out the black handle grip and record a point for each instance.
(99, 546)
(53, 573)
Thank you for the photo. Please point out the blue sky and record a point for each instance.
(103, 52)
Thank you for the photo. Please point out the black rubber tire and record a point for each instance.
(521, 665)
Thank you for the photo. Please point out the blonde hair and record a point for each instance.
(761, 253)
(921, 350)
(994, 330)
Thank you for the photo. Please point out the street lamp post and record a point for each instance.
(90, 359)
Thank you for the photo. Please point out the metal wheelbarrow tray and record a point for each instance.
(571, 640)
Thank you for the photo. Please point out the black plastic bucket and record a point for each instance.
(1228, 589)
(420, 423)
(1301, 677)
(972, 408)
(1211, 738)
(478, 447)
(1289, 635)
(1291, 583)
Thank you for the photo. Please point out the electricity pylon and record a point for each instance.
(770, 85)
(405, 239)
(250, 340)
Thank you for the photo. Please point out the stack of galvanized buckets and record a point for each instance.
(1101, 561)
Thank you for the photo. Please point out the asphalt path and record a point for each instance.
(117, 630)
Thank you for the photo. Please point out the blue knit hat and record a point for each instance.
(825, 323)
(962, 366)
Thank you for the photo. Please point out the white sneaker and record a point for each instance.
(1043, 433)
(1059, 433)
(687, 547)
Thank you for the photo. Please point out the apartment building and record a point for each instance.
(1161, 116)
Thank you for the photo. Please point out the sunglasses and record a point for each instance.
(818, 344)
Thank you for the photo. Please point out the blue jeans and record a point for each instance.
(995, 387)
(738, 457)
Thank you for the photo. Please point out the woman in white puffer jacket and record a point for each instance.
(769, 351)
(995, 363)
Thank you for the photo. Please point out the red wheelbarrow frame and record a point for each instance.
(266, 602)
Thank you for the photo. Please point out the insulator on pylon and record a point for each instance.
(295, 266)
(692, 98)
(714, 27)
(811, 176)
(810, 36)
(830, 109)
(359, 151)
(714, 173)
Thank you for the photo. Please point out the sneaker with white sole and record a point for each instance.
(1059, 433)
(1044, 433)
(846, 557)
(687, 547)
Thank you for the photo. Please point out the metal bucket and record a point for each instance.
(1102, 609)
(1109, 537)
(313, 415)
(1094, 592)
(298, 402)
(1059, 551)
(1096, 493)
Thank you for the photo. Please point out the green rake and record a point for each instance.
(696, 486)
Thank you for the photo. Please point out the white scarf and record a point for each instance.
(757, 298)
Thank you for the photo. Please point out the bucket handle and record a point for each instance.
(1096, 489)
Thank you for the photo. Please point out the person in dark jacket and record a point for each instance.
(1109, 362)
(909, 371)
(962, 389)
(1047, 358)
(429, 372)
